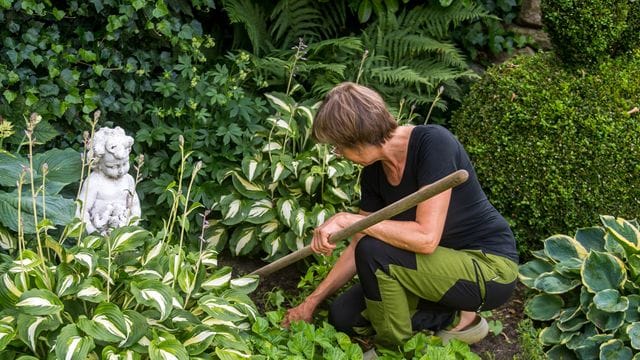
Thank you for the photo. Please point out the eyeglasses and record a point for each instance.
(336, 151)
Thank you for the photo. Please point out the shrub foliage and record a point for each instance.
(553, 146)
(584, 31)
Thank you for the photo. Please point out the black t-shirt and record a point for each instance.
(433, 153)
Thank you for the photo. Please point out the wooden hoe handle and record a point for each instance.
(452, 180)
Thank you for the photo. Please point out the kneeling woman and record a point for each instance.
(433, 267)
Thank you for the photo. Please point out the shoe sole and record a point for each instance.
(470, 336)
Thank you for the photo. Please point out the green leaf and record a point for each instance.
(9, 96)
(218, 280)
(591, 238)
(199, 339)
(7, 241)
(39, 302)
(554, 283)
(91, 290)
(248, 188)
(243, 240)
(167, 349)
(154, 294)
(233, 210)
(633, 311)
(220, 309)
(253, 167)
(108, 324)
(625, 234)
(231, 354)
(286, 210)
(606, 321)
(246, 284)
(160, 9)
(560, 352)
(71, 345)
(544, 307)
(261, 212)
(633, 331)
(615, 349)
(127, 238)
(30, 327)
(602, 271)
(7, 334)
(60, 211)
(562, 248)
(610, 301)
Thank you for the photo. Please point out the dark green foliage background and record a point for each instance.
(555, 147)
(586, 31)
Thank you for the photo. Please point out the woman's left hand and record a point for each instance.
(320, 243)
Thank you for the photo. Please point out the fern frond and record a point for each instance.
(397, 75)
(252, 18)
(351, 45)
(334, 14)
(436, 20)
(295, 19)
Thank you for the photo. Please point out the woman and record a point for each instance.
(432, 267)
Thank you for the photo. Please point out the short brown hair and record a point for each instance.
(352, 115)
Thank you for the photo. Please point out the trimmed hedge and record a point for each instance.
(585, 31)
(555, 147)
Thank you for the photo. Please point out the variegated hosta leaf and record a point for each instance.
(531, 270)
(68, 282)
(320, 214)
(274, 245)
(286, 210)
(233, 210)
(7, 241)
(73, 229)
(91, 242)
(215, 236)
(220, 309)
(310, 182)
(231, 354)
(242, 302)
(91, 290)
(339, 193)
(71, 345)
(280, 104)
(7, 334)
(39, 302)
(199, 339)
(602, 271)
(30, 327)
(252, 167)
(87, 258)
(279, 171)
(187, 279)
(270, 227)
(243, 240)
(108, 324)
(113, 353)
(306, 113)
(28, 262)
(135, 326)
(154, 294)
(295, 242)
(183, 319)
(153, 252)
(9, 292)
(272, 146)
(261, 211)
(170, 349)
(251, 190)
(127, 238)
(246, 284)
(209, 258)
(561, 248)
(299, 222)
(591, 238)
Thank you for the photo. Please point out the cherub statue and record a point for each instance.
(108, 193)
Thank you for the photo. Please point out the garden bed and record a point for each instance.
(503, 346)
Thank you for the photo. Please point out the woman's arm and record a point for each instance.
(419, 236)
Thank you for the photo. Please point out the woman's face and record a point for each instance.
(360, 154)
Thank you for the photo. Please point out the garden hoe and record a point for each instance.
(454, 179)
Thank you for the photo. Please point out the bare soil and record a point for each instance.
(503, 346)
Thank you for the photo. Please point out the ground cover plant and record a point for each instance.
(587, 292)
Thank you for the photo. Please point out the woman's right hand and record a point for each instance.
(303, 312)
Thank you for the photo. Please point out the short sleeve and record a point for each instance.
(438, 155)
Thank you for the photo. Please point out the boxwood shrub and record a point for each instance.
(554, 146)
(585, 31)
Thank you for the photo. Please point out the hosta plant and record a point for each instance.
(276, 195)
(588, 292)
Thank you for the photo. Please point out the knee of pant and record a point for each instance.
(339, 322)
(368, 251)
